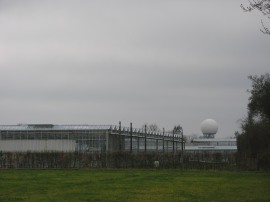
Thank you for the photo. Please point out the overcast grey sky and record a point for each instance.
(99, 62)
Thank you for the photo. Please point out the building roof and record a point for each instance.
(53, 127)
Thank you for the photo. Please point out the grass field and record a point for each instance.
(133, 185)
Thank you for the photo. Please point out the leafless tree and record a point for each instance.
(151, 127)
(190, 138)
(261, 5)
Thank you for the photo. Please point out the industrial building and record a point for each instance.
(213, 145)
(208, 142)
(85, 138)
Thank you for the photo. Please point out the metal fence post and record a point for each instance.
(130, 137)
(145, 138)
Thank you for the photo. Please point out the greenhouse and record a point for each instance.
(85, 138)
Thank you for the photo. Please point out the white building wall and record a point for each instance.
(37, 145)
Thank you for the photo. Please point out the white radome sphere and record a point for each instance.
(209, 126)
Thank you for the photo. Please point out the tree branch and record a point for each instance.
(263, 6)
(265, 30)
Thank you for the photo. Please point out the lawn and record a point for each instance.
(133, 185)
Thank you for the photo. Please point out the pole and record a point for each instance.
(163, 141)
(119, 136)
(130, 137)
(182, 160)
(173, 141)
(145, 138)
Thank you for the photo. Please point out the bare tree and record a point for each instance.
(178, 129)
(261, 5)
(190, 138)
(151, 127)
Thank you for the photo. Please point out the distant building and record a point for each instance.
(209, 143)
(212, 145)
(84, 138)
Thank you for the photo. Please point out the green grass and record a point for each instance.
(133, 185)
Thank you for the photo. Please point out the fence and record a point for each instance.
(52, 160)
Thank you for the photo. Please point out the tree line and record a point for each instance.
(253, 140)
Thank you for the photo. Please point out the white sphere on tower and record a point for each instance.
(209, 128)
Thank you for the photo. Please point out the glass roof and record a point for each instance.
(38, 127)
(54, 127)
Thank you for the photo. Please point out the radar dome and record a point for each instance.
(209, 128)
